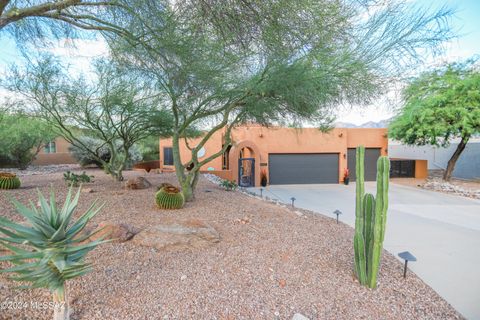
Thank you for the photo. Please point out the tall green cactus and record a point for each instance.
(370, 220)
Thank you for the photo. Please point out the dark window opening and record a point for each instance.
(402, 168)
(225, 159)
(168, 156)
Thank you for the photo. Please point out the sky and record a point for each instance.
(466, 22)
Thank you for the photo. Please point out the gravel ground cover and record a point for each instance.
(270, 263)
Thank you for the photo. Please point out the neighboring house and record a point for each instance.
(286, 155)
(467, 166)
(55, 152)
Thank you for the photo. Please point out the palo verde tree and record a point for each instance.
(441, 105)
(112, 106)
(270, 62)
(28, 20)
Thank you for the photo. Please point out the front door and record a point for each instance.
(246, 172)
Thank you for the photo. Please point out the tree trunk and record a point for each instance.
(61, 310)
(187, 190)
(453, 160)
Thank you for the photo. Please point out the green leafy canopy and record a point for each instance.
(440, 105)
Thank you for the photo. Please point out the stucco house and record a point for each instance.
(287, 155)
(55, 152)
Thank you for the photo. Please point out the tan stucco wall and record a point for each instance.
(62, 156)
(421, 169)
(282, 140)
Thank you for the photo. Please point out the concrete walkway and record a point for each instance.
(441, 230)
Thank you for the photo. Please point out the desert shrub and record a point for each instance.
(102, 151)
(26, 137)
(229, 185)
(73, 179)
(149, 148)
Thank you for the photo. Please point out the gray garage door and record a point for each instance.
(303, 168)
(371, 156)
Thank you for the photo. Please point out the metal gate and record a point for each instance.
(246, 172)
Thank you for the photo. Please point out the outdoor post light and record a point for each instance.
(261, 192)
(407, 256)
(293, 201)
(337, 212)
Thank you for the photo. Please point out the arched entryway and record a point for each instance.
(245, 161)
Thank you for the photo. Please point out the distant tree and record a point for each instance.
(85, 158)
(22, 138)
(440, 105)
(113, 107)
(218, 64)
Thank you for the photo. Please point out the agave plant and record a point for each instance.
(49, 249)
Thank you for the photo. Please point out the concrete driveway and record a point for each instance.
(441, 230)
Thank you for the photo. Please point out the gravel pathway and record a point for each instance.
(271, 263)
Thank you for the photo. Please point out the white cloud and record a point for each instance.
(78, 54)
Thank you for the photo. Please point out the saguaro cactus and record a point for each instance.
(370, 220)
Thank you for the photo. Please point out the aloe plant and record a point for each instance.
(49, 248)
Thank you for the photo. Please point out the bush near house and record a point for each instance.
(86, 158)
(229, 185)
(23, 137)
(74, 180)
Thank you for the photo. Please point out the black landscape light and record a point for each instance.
(407, 256)
(337, 212)
(293, 201)
(261, 192)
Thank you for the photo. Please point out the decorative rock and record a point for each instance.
(442, 186)
(298, 316)
(137, 183)
(88, 190)
(180, 235)
(119, 232)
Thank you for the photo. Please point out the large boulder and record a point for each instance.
(137, 183)
(178, 236)
(118, 232)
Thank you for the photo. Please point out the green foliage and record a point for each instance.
(101, 151)
(49, 249)
(229, 185)
(9, 181)
(370, 220)
(150, 148)
(440, 105)
(74, 180)
(23, 136)
(117, 109)
(169, 197)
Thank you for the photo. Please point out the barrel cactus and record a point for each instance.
(370, 220)
(9, 181)
(169, 197)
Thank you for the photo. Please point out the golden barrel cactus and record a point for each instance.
(9, 181)
(169, 197)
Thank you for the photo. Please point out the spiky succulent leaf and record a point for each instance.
(54, 254)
